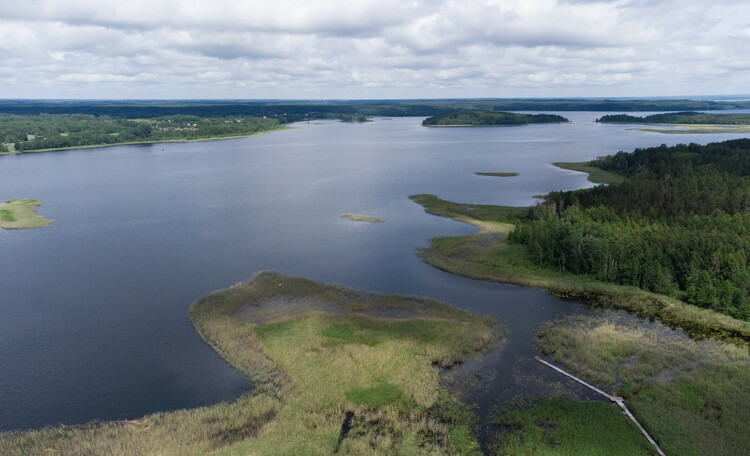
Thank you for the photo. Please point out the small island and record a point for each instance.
(489, 119)
(361, 218)
(16, 214)
(497, 174)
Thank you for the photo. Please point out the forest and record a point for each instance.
(486, 119)
(678, 225)
(687, 118)
(53, 131)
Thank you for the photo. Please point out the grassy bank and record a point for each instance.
(21, 213)
(596, 175)
(488, 255)
(336, 370)
(361, 218)
(690, 396)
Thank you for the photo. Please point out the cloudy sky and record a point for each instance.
(372, 49)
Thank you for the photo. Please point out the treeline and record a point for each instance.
(486, 118)
(689, 118)
(679, 225)
(52, 131)
(292, 111)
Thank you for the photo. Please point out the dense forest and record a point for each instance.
(487, 119)
(690, 118)
(52, 131)
(679, 225)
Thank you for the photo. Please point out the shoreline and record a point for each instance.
(487, 255)
(133, 143)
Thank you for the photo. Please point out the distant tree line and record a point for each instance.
(679, 118)
(486, 118)
(679, 225)
(51, 131)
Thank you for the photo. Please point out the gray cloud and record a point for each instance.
(370, 49)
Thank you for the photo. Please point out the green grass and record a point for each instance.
(361, 218)
(489, 256)
(690, 396)
(305, 386)
(556, 427)
(21, 213)
(595, 175)
(497, 174)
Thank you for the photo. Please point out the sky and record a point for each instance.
(363, 49)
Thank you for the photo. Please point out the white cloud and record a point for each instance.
(386, 48)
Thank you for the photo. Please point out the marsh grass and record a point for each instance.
(556, 426)
(21, 213)
(595, 175)
(489, 256)
(313, 371)
(691, 396)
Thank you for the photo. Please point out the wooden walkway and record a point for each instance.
(616, 399)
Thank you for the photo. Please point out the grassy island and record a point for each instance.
(489, 119)
(361, 218)
(497, 174)
(21, 213)
(335, 371)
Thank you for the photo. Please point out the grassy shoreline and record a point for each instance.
(361, 218)
(334, 369)
(595, 175)
(487, 255)
(17, 214)
(95, 146)
(696, 129)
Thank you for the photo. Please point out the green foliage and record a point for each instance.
(562, 427)
(679, 225)
(689, 118)
(376, 396)
(502, 174)
(6, 215)
(486, 118)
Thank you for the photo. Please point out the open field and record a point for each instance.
(691, 396)
(17, 214)
(335, 370)
(596, 175)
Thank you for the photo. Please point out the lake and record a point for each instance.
(93, 308)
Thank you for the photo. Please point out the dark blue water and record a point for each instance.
(93, 309)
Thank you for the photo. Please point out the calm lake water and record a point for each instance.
(93, 309)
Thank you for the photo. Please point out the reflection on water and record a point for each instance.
(93, 309)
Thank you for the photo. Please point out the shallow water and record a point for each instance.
(93, 309)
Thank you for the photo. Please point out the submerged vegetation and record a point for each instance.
(335, 370)
(361, 218)
(690, 396)
(21, 213)
(488, 119)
